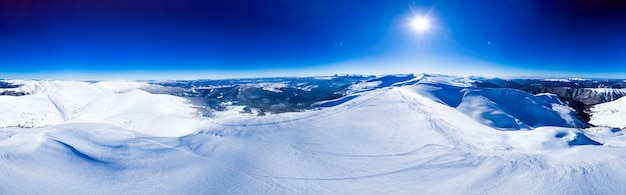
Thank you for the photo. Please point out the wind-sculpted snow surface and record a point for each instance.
(404, 138)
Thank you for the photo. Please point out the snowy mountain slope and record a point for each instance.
(118, 103)
(578, 93)
(503, 108)
(610, 114)
(588, 96)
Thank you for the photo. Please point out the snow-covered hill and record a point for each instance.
(610, 114)
(502, 108)
(420, 134)
(123, 104)
(586, 91)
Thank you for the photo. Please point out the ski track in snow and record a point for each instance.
(391, 140)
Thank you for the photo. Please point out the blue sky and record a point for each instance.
(235, 38)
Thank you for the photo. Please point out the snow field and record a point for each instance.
(609, 114)
(421, 137)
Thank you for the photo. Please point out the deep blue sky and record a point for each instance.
(231, 38)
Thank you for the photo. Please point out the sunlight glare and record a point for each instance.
(420, 24)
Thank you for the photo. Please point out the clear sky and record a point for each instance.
(136, 39)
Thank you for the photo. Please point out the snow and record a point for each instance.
(441, 80)
(609, 114)
(306, 87)
(505, 109)
(273, 87)
(364, 86)
(567, 80)
(418, 137)
(118, 103)
(610, 93)
(558, 80)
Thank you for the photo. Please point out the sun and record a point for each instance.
(420, 24)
